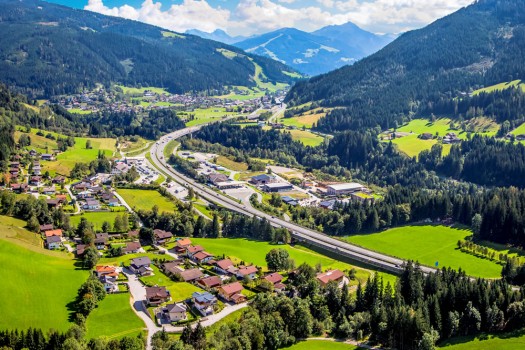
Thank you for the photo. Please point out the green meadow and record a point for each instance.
(428, 245)
(307, 138)
(146, 199)
(114, 318)
(37, 285)
(321, 345)
(504, 341)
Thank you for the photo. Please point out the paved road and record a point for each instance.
(343, 249)
(73, 197)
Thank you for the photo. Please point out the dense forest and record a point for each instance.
(49, 50)
(442, 60)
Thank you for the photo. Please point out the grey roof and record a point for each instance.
(203, 297)
(175, 308)
(142, 261)
(53, 239)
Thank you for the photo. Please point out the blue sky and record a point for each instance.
(248, 17)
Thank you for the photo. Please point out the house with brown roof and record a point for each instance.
(210, 283)
(57, 232)
(157, 295)
(202, 257)
(133, 234)
(232, 292)
(247, 271)
(53, 242)
(222, 266)
(191, 275)
(331, 275)
(192, 250)
(161, 236)
(216, 178)
(273, 278)
(80, 249)
(131, 247)
(59, 179)
(182, 244)
(46, 227)
(101, 240)
(172, 267)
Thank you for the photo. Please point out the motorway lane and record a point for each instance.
(321, 240)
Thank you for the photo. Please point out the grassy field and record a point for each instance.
(114, 318)
(146, 199)
(79, 111)
(411, 145)
(179, 290)
(520, 130)
(96, 218)
(254, 252)
(231, 164)
(37, 285)
(233, 317)
(76, 154)
(306, 119)
(505, 341)
(306, 137)
(321, 345)
(170, 147)
(501, 86)
(203, 116)
(140, 91)
(171, 35)
(428, 244)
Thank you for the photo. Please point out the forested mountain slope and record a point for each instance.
(480, 45)
(48, 49)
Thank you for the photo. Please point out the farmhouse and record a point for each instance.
(141, 266)
(202, 257)
(157, 295)
(222, 266)
(161, 236)
(132, 247)
(101, 240)
(57, 232)
(191, 275)
(80, 249)
(209, 283)
(174, 312)
(48, 157)
(232, 292)
(277, 187)
(273, 278)
(53, 242)
(35, 180)
(192, 250)
(344, 188)
(46, 227)
(204, 302)
(182, 244)
(331, 275)
(247, 271)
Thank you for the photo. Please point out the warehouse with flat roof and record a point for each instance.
(345, 188)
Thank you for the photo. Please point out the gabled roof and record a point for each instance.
(203, 297)
(161, 234)
(142, 261)
(47, 227)
(211, 281)
(176, 307)
(191, 274)
(224, 264)
(202, 255)
(50, 233)
(332, 275)
(53, 239)
(183, 242)
(247, 270)
(105, 269)
(156, 292)
(274, 278)
(232, 288)
(131, 246)
(194, 249)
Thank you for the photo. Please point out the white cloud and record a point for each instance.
(189, 14)
(259, 16)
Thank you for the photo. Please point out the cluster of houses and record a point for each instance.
(108, 276)
(92, 195)
(451, 138)
(52, 237)
(103, 241)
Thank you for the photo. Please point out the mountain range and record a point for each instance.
(48, 49)
(313, 53)
(479, 45)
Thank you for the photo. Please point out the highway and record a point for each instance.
(323, 241)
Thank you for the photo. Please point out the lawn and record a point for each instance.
(411, 145)
(428, 245)
(321, 345)
(231, 318)
(251, 251)
(306, 137)
(520, 130)
(306, 120)
(231, 164)
(505, 341)
(179, 290)
(501, 86)
(79, 111)
(140, 91)
(114, 318)
(146, 199)
(203, 116)
(96, 218)
(37, 285)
